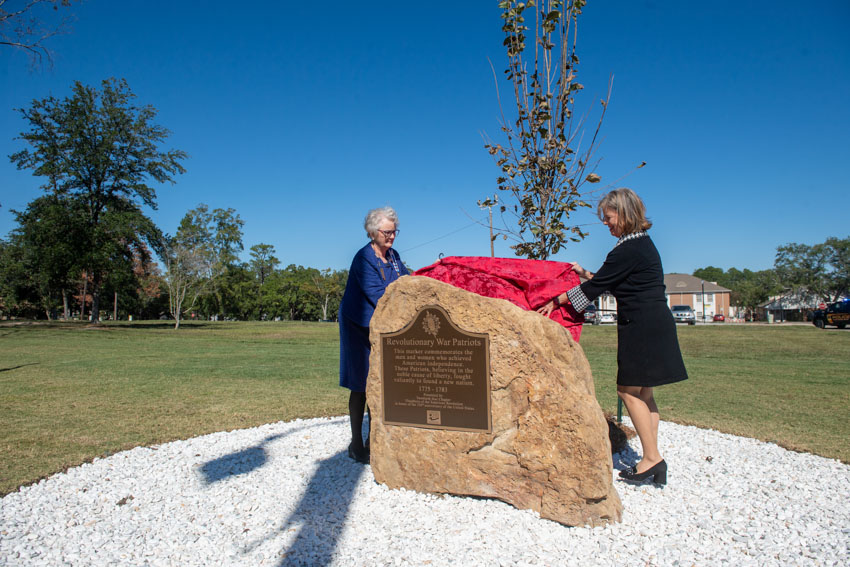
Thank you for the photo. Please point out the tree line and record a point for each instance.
(817, 272)
(86, 244)
(42, 275)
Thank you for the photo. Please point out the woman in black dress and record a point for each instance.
(648, 352)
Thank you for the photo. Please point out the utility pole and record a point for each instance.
(489, 204)
(492, 251)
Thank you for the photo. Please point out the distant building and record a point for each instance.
(790, 306)
(706, 298)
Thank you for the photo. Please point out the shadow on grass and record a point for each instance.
(184, 326)
(9, 326)
(18, 366)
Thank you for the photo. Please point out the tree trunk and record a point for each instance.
(66, 314)
(85, 293)
(95, 307)
(95, 299)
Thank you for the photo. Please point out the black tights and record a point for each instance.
(356, 409)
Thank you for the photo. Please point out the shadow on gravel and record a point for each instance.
(244, 461)
(319, 518)
(626, 459)
(321, 513)
(235, 464)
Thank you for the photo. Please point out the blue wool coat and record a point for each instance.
(368, 279)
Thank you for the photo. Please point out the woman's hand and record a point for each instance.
(546, 309)
(581, 271)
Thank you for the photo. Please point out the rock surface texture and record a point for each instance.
(549, 449)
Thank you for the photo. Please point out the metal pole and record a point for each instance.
(703, 303)
(619, 410)
(492, 252)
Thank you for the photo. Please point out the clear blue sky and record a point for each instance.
(302, 116)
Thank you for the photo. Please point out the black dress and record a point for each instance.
(648, 351)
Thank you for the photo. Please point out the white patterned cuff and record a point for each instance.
(578, 299)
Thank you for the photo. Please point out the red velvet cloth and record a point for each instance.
(526, 283)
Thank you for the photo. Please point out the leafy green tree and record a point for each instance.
(237, 297)
(263, 264)
(543, 169)
(98, 148)
(263, 261)
(188, 273)
(294, 295)
(749, 289)
(18, 293)
(821, 269)
(753, 289)
(203, 249)
(712, 274)
(50, 234)
(221, 231)
(329, 286)
(839, 261)
(133, 279)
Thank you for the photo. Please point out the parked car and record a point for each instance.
(684, 314)
(607, 317)
(719, 318)
(837, 314)
(591, 315)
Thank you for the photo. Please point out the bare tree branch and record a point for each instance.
(28, 24)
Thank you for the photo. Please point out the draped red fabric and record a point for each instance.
(526, 283)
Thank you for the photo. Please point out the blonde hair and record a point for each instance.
(631, 212)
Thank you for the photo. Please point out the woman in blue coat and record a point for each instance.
(375, 266)
(648, 352)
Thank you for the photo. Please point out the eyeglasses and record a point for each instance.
(389, 233)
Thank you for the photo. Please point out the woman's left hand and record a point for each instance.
(546, 309)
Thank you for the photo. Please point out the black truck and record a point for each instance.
(837, 314)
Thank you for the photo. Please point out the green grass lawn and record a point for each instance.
(786, 384)
(70, 392)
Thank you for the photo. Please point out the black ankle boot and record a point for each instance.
(658, 473)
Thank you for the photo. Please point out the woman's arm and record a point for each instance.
(368, 277)
(616, 268)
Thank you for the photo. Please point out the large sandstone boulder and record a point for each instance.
(548, 450)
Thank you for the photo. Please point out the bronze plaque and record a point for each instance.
(435, 375)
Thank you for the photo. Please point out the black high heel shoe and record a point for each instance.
(361, 456)
(658, 473)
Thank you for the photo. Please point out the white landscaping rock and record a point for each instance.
(287, 494)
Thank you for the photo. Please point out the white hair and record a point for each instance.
(374, 218)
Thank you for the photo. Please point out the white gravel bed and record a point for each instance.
(287, 494)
